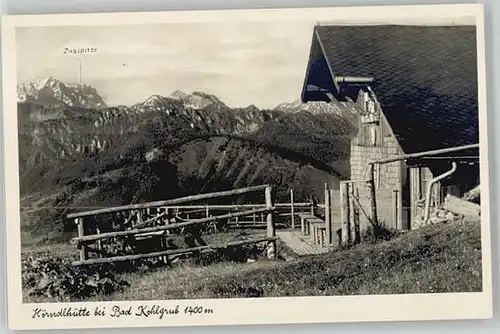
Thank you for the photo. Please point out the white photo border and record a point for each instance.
(373, 308)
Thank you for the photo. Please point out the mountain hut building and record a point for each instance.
(417, 89)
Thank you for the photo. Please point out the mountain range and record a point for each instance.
(52, 91)
(75, 152)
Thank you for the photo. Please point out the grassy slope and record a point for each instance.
(435, 259)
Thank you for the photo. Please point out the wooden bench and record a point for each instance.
(305, 223)
(303, 227)
(319, 233)
(314, 227)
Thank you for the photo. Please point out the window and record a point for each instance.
(372, 136)
(369, 134)
(370, 107)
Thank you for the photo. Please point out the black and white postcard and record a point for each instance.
(246, 167)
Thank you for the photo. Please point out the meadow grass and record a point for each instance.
(436, 259)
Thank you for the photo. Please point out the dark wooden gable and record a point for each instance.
(425, 78)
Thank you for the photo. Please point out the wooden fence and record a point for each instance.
(162, 220)
(342, 209)
(355, 210)
(350, 211)
(285, 213)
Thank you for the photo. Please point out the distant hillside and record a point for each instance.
(72, 134)
(117, 131)
(166, 147)
(218, 162)
(319, 131)
(32, 112)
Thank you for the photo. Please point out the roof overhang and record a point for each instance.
(321, 83)
(318, 81)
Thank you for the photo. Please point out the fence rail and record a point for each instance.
(96, 237)
(172, 252)
(131, 222)
(164, 203)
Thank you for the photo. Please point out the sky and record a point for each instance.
(260, 63)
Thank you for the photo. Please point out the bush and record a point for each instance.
(377, 233)
(474, 195)
(52, 277)
(236, 254)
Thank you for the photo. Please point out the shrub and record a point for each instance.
(376, 233)
(52, 277)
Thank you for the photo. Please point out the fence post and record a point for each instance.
(164, 220)
(164, 247)
(373, 195)
(357, 229)
(333, 207)
(99, 242)
(170, 214)
(352, 214)
(139, 218)
(271, 232)
(292, 210)
(395, 214)
(81, 233)
(327, 217)
(344, 213)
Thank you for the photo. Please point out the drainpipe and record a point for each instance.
(431, 184)
(371, 171)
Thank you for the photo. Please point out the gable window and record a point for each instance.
(370, 129)
(369, 104)
(369, 134)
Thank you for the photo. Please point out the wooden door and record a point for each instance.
(416, 193)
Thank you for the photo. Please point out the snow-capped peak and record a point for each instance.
(316, 107)
(153, 100)
(196, 100)
(51, 90)
(289, 105)
(178, 95)
(48, 82)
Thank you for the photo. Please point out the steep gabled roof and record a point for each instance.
(425, 78)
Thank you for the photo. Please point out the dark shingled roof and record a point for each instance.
(426, 77)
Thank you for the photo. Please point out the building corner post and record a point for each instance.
(373, 198)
